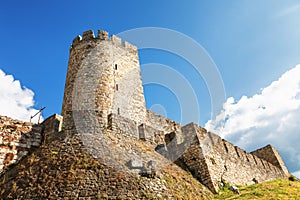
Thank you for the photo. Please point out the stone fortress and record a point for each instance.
(117, 98)
(104, 94)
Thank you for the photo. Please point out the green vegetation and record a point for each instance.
(277, 189)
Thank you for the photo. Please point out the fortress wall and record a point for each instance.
(122, 125)
(271, 155)
(153, 135)
(231, 164)
(103, 75)
(193, 157)
(18, 138)
(51, 125)
(104, 85)
(164, 124)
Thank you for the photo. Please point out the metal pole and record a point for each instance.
(39, 112)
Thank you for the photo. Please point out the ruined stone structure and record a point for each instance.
(103, 91)
(104, 78)
(16, 139)
(61, 168)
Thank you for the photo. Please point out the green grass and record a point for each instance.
(277, 189)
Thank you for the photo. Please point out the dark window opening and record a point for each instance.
(142, 132)
(117, 87)
(116, 66)
(169, 137)
(118, 111)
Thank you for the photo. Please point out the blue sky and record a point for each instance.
(253, 43)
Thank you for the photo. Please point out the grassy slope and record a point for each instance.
(277, 189)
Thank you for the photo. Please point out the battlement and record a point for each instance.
(89, 35)
(271, 155)
(120, 106)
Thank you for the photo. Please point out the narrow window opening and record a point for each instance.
(142, 132)
(117, 87)
(118, 111)
(116, 66)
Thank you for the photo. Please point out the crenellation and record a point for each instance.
(237, 152)
(76, 40)
(271, 155)
(225, 146)
(121, 108)
(116, 40)
(231, 150)
(102, 35)
(243, 155)
(255, 159)
(88, 35)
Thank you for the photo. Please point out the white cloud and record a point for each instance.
(270, 117)
(15, 101)
(297, 174)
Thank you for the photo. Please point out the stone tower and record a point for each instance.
(103, 77)
(104, 87)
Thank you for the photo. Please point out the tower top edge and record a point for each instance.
(101, 35)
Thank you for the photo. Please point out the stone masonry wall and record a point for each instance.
(153, 130)
(163, 124)
(104, 76)
(121, 125)
(194, 158)
(229, 163)
(51, 126)
(16, 140)
(207, 156)
(104, 90)
(271, 155)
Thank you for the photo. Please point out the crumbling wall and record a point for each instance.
(51, 126)
(163, 125)
(16, 140)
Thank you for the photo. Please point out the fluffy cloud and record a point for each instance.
(270, 117)
(297, 174)
(15, 101)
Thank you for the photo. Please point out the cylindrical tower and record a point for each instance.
(103, 77)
